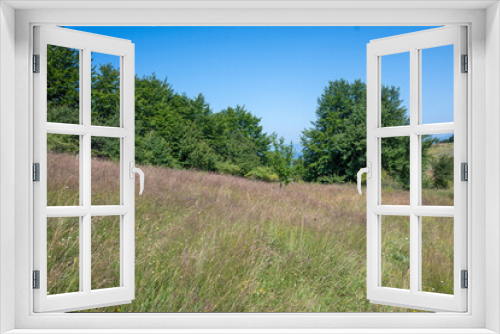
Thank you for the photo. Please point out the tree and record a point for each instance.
(196, 153)
(280, 158)
(442, 171)
(335, 145)
(238, 139)
(238, 120)
(105, 95)
(63, 75)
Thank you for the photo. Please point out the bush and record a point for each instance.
(390, 182)
(263, 174)
(62, 143)
(442, 171)
(154, 150)
(331, 179)
(228, 168)
(197, 154)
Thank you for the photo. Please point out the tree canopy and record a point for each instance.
(335, 146)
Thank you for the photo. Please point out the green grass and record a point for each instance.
(439, 149)
(218, 243)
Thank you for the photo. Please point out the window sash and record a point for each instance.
(85, 298)
(413, 43)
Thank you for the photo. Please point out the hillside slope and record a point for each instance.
(218, 243)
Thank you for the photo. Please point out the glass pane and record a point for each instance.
(395, 171)
(63, 170)
(437, 84)
(105, 171)
(395, 251)
(105, 252)
(63, 85)
(395, 93)
(63, 249)
(438, 169)
(105, 89)
(437, 254)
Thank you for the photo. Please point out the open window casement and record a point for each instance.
(51, 221)
(415, 293)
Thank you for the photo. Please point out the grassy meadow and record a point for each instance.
(217, 243)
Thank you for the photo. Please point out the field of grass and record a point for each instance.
(218, 243)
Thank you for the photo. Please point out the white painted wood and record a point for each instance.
(492, 161)
(414, 169)
(258, 331)
(7, 167)
(244, 4)
(98, 131)
(418, 129)
(407, 210)
(86, 298)
(413, 43)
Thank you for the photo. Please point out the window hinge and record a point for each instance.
(36, 172)
(465, 279)
(36, 279)
(464, 171)
(36, 63)
(465, 64)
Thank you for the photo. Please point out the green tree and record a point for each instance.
(280, 158)
(63, 74)
(196, 153)
(298, 169)
(63, 95)
(442, 171)
(238, 120)
(237, 137)
(154, 150)
(335, 146)
(106, 95)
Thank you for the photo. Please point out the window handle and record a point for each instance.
(133, 171)
(368, 171)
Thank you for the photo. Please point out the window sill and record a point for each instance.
(251, 331)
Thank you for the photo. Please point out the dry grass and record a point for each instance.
(218, 243)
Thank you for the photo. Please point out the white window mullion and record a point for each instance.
(414, 253)
(460, 156)
(86, 168)
(373, 183)
(127, 232)
(414, 171)
(417, 200)
(40, 156)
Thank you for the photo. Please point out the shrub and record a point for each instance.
(331, 179)
(62, 143)
(197, 154)
(442, 171)
(228, 168)
(154, 150)
(263, 174)
(390, 182)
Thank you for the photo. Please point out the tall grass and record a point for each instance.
(218, 243)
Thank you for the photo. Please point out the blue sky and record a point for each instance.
(278, 73)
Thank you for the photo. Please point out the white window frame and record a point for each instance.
(483, 214)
